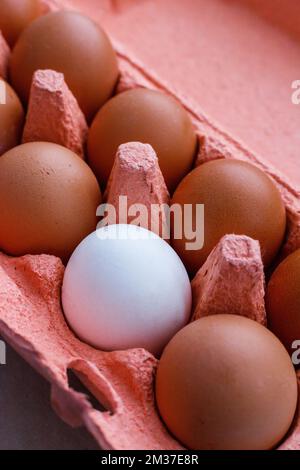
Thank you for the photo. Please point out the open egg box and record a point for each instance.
(231, 281)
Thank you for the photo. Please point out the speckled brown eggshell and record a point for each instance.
(48, 200)
(145, 116)
(225, 382)
(283, 301)
(238, 199)
(15, 16)
(73, 44)
(11, 118)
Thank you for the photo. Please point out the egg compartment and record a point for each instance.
(231, 281)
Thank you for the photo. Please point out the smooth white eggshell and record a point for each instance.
(124, 287)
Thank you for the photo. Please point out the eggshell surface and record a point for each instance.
(11, 117)
(225, 382)
(48, 200)
(124, 287)
(15, 16)
(239, 199)
(283, 301)
(149, 117)
(73, 44)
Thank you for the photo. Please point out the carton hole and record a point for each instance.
(79, 383)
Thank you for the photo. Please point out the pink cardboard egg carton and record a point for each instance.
(31, 319)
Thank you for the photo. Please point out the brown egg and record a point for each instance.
(67, 42)
(283, 301)
(238, 198)
(15, 15)
(11, 118)
(145, 116)
(48, 200)
(225, 382)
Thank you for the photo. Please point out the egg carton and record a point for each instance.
(31, 318)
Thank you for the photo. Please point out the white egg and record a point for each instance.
(124, 287)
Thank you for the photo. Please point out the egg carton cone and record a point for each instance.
(231, 280)
(136, 175)
(52, 102)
